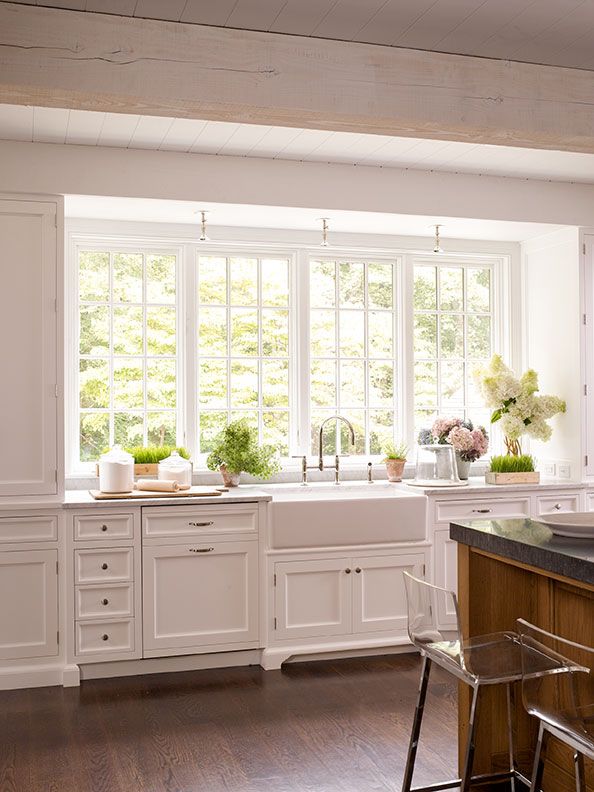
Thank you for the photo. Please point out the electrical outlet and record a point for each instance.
(564, 470)
(549, 469)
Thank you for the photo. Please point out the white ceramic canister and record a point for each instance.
(176, 468)
(116, 471)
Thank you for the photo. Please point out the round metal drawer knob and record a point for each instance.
(103, 566)
(104, 527)
(105, 602)
(358, 570)
(105, 637)
(348, 571)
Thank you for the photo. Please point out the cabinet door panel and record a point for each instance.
(313, 598)
(198, 599)
(28, 626)
(379, 595)
(28, 353)
(445, 555)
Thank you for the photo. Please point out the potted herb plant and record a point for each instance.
(395, 459)
(519, 410)
(236, 451)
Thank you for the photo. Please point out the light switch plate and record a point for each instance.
(549, 469)
(564, 470)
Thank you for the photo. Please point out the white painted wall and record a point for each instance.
(551, 274)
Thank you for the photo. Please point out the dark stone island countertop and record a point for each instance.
(529, 542)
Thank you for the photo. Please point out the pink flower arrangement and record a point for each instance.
(470, 443)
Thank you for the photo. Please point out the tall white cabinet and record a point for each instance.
(30, 350)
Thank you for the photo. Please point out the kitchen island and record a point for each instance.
(517, 568)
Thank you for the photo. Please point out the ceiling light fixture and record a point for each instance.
(437, 247)
(324, 242)
(203, 235)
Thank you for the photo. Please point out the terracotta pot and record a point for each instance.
(395, 468)
(229, 479)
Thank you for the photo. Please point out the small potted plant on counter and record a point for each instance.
(395, 459)
(236, 451)
(518, 410)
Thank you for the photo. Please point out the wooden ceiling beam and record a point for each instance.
(61, 58)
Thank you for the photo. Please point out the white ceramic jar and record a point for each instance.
(176, 468)
(116, 471)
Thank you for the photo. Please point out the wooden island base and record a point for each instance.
(493, 592)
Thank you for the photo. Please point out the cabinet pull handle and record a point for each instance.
(348, 571)
(105, 637)
(481, 511)
(105, 602)
(358, 570)
(104, 527)
(103, 566)
(201, 524)
(557, 507)
(201, 549)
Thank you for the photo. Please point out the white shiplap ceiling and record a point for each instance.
(555, 32)
(83, 127)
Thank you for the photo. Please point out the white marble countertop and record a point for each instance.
(478, 486)
(77, 499)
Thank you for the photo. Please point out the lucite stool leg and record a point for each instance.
(469, 758)
(416, 727)
(539, 757)
(510, 697)
(580, 773)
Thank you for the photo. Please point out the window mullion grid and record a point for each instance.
(438, 357)
(366, 371)
(145, 353)
(111, 418)
(338, 372)
(260, 361)
(228, 312)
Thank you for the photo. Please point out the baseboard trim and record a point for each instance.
(159, 665)
(31, 676)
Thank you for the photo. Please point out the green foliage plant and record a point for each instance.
(237, 448)
(151, 455)
(392, 451)
(508, 463)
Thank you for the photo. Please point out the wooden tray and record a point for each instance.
(193, 492)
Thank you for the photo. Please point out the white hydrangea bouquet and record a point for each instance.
(516, 404)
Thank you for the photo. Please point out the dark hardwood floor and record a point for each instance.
(332, 726)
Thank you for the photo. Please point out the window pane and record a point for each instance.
(329, 437)
(479, 336)
(381, 383)
(381, 429)
(160, 387)
(275, 332)
(322, 283)
(352, 383)
(380, 332)
(351, 284)
(93, 276)
(127, 277)
(244, 281)
(352, 333)
(452, 336)
(425, 383)
(424, 289)
(246, 415)
(160, 279)
(275, 282)
(244, 383)
(127, 330)
(323, 333)
(357, 419)
(424, 419)
(212, 331)
(128, 383)
(275, 383)
(212, 378)
(275, 430)
(478, 289)
(94, 330)
(211, 423)
(212, 280)
(452, 384)
(128, 429)
(160, 331)
(93, 383)
(425, 340)
(323, 383)
(451, 289)
(379, 285)
(244, 332)
(94, 435)
(161, 428)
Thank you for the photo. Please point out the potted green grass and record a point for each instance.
(395, 459)
(236, 451)
(510, 469)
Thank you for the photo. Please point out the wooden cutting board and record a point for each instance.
(193, 492)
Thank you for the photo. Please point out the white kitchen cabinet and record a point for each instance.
(445, 575)
(29, 593)
(199, 596)
(30, 356)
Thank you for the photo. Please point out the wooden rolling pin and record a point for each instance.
(155, 485)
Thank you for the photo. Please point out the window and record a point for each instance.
(243, 346)
(127, 349)
(453, 334)
(353, 352)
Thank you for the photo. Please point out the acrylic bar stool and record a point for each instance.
(562, 699)
(483, 660)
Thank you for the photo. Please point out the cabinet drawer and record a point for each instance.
(113, 564)
(28, 529)
(104, 637)
(589, 501)
(550, 504)
(199, 521)
(108, 526)
(446, 511)
(103, 602)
